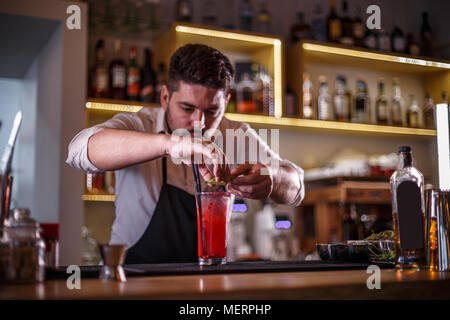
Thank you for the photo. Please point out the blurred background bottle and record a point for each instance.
(397, 105)
(246, 15)
(319, 28)
(148, 79)
(99, 73)
(414, 114)
(300, 30)
(358, 27)
(429, 113)
(183, 11)
(426, 36)
(381, 105)
(347, 26)
(308, 108)
(117, 73)
(361, 112)
(244, 95)
(209, 14)
(341, 99)
(133, 76)
(263, 19)
(334, 26)
(324, 106)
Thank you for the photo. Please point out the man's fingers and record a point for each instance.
(242, 169)
(251, 178)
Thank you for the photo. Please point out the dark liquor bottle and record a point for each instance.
(429, 113)
(381, 105)
(245, 90)
(414, 116)
(334, 25)
(341, 100)
(358, 27)
(161, 81)
(347, 26)
(148, 79)
(99, 73)
(319, 28)
(408, 213)
(183, 11)
(117, 73)
(398, 41)
(412, 46)
(246, 15)
(426, 36)
(263, 19)
(396, 110)
(361, 112)
(300, 30)
(133, 76)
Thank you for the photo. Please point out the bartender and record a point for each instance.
(155, 202)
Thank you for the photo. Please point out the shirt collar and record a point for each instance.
(161, 123)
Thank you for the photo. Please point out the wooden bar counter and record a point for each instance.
(335, 284)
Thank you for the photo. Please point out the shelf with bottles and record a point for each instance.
(346, 26)
(318, 73)
(99, 186)
(257, 59)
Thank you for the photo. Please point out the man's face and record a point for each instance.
(193, 102)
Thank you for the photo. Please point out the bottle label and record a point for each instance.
(371, 42)
(335, 29)
(382, 111)
(133, 82)
(399, 44)
(101, 82)
(385, 43)
(358, 30)
(118, 77)
(410, 216)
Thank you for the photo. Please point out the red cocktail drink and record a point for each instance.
(212, 219)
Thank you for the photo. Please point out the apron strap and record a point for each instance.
(164, 170)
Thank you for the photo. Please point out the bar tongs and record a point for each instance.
(6, 178)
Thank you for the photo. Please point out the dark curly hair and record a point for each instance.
(200, 64)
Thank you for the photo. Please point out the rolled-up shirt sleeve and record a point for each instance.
(78, 154)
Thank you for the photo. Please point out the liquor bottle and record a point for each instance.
(244, 95)
(209, 15)
(361, 112)
(319, 28)
(246, 15)
(370, 40)
(358, 27)
(99, 73)
(408, 213)
(300, 30)
(133, 77)
(414, 115)
(341, 100)
(381, 105)
(426, 36)
(290, 103)
(384, 41)
(263, 91)
(308, 109)
(397, 105)
(324, 107)
(347, 26)
(183, 11)
(413, 47)
(231, 107)
(429, 113)
(334, 26)
(161, 81)
(398, 41)
(263, 19)
(148, 79)
(117, 73)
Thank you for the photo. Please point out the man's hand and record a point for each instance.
(211, 159)
(252, 184)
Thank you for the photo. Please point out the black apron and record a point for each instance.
(171, 235)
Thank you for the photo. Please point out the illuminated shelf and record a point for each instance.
(285, 122)
(117, 105)
(331, 126)
(99, 197)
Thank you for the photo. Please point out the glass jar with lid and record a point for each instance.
(22, 250)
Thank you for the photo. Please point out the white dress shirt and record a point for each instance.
(137, 187)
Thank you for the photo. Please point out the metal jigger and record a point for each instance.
(113, 257)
